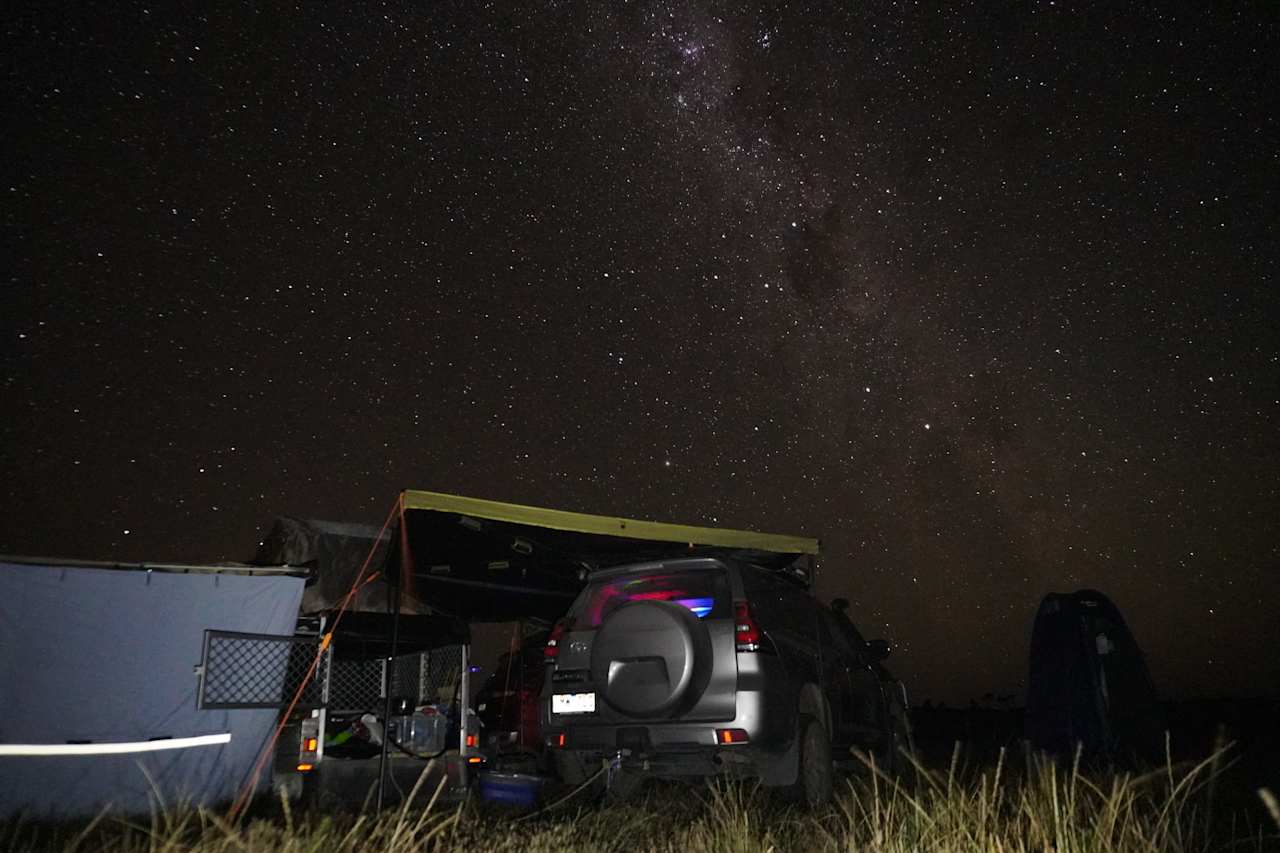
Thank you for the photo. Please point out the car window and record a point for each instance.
(705, 592)
(839, 639)
(850, 630)
(843, 627)
(780, 604)
(798, 610)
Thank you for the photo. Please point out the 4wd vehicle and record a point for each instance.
(708, 666)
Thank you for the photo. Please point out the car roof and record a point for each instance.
(682, 564)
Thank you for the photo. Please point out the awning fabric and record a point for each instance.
(487, 561)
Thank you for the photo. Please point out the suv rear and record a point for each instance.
(707, 666)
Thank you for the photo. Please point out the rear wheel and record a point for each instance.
(813, 783)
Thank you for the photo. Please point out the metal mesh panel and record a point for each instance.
(426, 678)
(438, 674)
(257, 670)
(355, 685)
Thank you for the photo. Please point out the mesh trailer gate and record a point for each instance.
(426, 677)
(241, 670)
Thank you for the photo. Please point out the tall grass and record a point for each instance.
(1043, 806)
(1027, 805)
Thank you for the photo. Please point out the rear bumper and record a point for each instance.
(662, 738)
(735, 762)
(671, 748)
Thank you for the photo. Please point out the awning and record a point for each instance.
(487, 561)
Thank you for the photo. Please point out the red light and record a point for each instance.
(746, 633)
(552, 650)
(560, 739)
(471, 740)
(309, 745)
(658, 595)
(726, 736)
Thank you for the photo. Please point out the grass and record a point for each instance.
(1028, 805)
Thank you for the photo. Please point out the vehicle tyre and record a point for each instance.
(813, 783)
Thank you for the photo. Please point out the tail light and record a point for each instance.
(309, 745)
(746, 633)
(552, 650)
(729, 736)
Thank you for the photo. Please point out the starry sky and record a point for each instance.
(985, 298)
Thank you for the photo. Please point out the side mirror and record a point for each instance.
(878, 650)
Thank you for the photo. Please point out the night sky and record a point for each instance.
(985, 299)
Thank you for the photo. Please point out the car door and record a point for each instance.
(865, 698)
(838, 664)
(782, 610)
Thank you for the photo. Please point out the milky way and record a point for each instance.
(984, 299)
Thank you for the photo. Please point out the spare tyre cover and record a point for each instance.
(653, 658)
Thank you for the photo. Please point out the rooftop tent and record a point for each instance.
(486, 561)
(1088, 682)
(333, 554)
(98, 683)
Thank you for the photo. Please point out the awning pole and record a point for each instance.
(464, 707)
(518, 654)
(388, 679)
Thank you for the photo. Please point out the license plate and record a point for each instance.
(573, 703)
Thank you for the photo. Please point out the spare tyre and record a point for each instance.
(653, 657)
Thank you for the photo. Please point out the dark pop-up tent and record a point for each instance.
(99, 680)
(1088, 684)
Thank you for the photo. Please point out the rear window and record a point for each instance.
(704, 592)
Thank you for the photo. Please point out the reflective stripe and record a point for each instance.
(112, 748)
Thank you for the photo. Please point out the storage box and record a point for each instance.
(516, 789)
(421, 734)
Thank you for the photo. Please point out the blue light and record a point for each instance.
(700, 606)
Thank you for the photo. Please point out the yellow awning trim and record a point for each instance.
(627, 528)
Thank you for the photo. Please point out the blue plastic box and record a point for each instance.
(515, 789)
